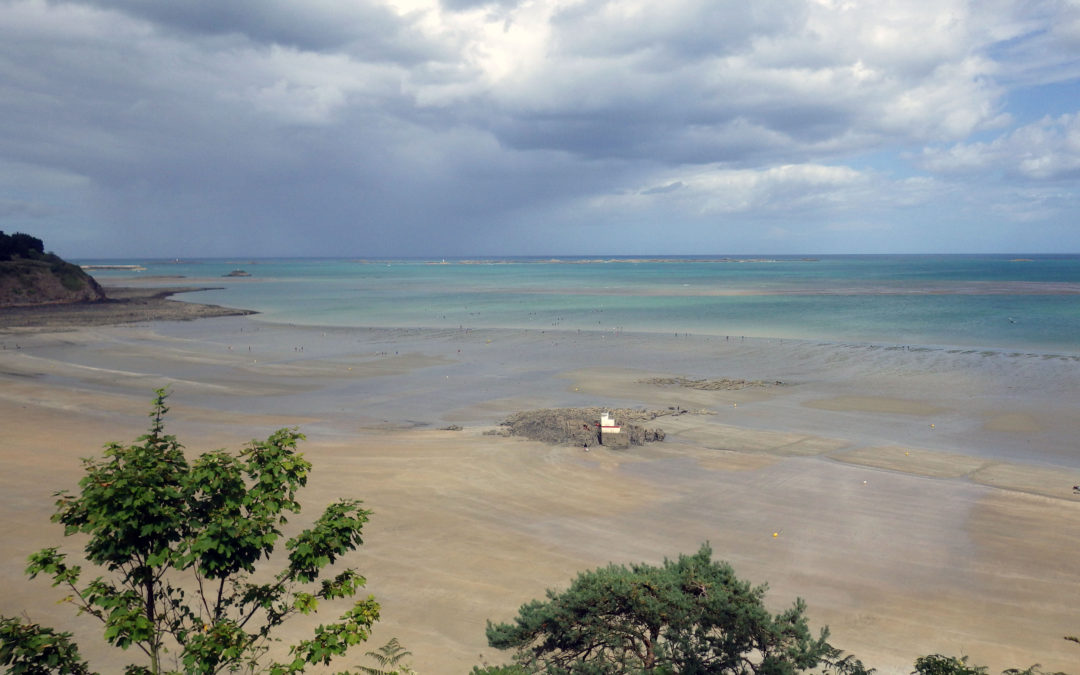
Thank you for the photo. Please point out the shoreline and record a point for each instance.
(124, 304)
(914, 493)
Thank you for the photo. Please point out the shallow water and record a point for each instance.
(1027, 303)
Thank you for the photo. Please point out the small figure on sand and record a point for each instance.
(1076, 489)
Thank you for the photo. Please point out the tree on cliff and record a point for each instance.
(20, 245)
(179, 544)
(690, 615)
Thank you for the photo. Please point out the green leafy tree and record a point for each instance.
(939, 664)
(1031, 670)
(690, 615)
(179, 544)
(29, 649)
(512, 669)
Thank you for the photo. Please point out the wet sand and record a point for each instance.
(920, 498)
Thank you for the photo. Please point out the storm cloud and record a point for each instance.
(463, 127)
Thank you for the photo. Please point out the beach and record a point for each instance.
(919, 499)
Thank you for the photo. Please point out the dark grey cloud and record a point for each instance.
(369, 30)
(463, 5)
(671, 33)
(10, 209)
(679, 136)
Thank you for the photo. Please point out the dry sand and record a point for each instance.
(921, 502)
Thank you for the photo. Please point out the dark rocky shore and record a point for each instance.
(121, 305)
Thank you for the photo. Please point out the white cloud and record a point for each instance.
(672, 81)
(705, 191)
(1046, 150)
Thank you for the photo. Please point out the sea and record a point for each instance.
(1020, 302)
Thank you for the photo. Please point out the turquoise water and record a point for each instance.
(993, 302)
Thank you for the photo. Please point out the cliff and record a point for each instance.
(45, 281)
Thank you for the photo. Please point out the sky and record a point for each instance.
(365, 128)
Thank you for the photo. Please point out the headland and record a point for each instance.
(121, 304)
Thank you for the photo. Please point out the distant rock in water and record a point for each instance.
(238, 273)
(721, 384)
(47, 280)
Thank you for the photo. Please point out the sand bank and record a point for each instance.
(909, 519)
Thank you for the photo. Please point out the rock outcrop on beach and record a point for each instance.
(580, 426)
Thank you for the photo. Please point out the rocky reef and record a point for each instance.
(581, 426)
